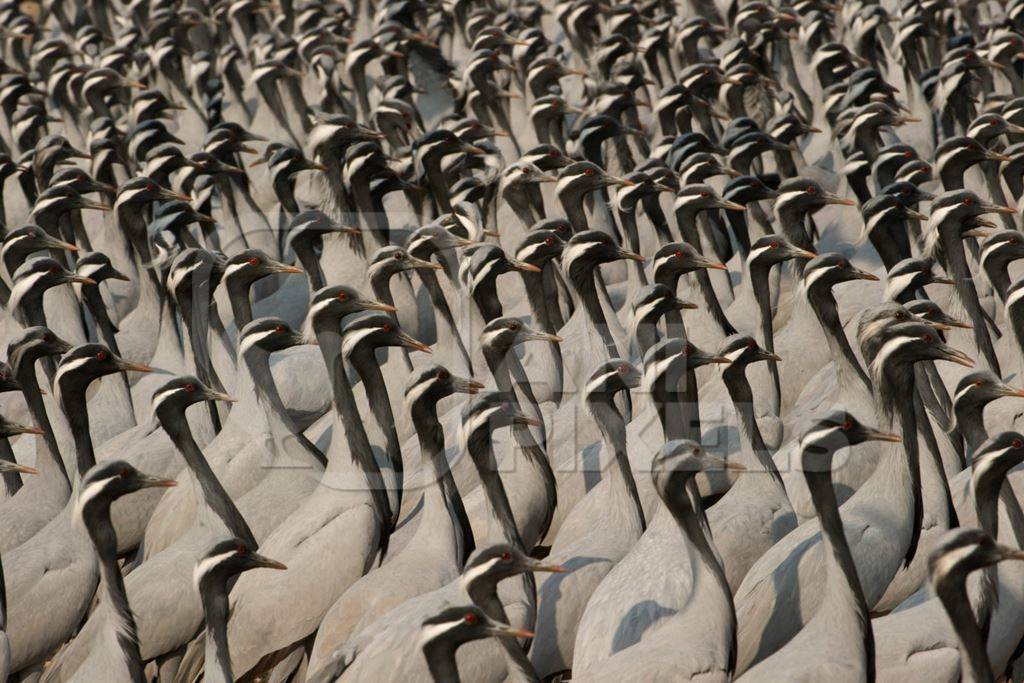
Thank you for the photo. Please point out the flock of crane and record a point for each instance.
(511, 340)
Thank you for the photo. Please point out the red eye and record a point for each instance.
(622, 369)
(810, 189)
(150, 187)
(124, 473)
(900, 315)
(687, 350)
(506, 556)
(343, 296)
(399, 256)
(696, 450)
(549, 241)
(242, 550)
(751, 344)
(554, 153)
(470, 618)
(47, 337)
(1016, 443)
(907, 155)
(774, 245)
(51, 269)
(589, 171)
(979, 383)
(927, 338)
(386, 327)
(843, 264)
(253, 261)
(101, 355)
(279, 328)
(1012, 240)
(968, 201)
(190, 387)
(847, 426)
(705, 194)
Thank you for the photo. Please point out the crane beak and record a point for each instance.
(130, 366)
(525, 267)
(218, 396)
(149, 482)
(379, 306)
(536, 566)
(28, 429)
(61, 244)
(261, 562)
(81, 279)
(464, 385)
(1010, 391)
(954, 356)
(511, 632)
(421, 264)
(414, 344)
(709, 462)
(731, 206)
(772, 357)
(864, 275)
(534, 335)
(943, 281)
(996, 208)
(878, 435)
(685, 305)
(711, 265)
(916, 215)
(24, 469)
(285, 268)
(522, 418)
(842, 201)
(632, 256)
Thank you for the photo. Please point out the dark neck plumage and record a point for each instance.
(26, 375)
(347, 413)
(431, 439)
(218, 656)
(613, 427)
(839, 559)
(735, 378)
(823, 303)
(214, 494)
(101, 531)
(973, 650)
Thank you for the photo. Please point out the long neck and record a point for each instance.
(241, 307)
(688, 513)
(482, 452)
(441, 662)
(51, 461)
(762, 296)
(119, 614)
(972, 425)
(823, 304)
(355, 447)
(842, 579)
(584, 283)
(215, 496)
(735, 378)
(973, 649)
(907, 472)
(431, 438)
(365, 363)
(77, 413)
(218, 656)
(613, 428)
